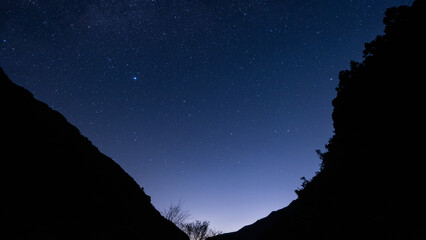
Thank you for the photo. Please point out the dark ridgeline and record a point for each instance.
(56, 185)
(371, 184)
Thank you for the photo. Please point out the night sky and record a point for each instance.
(218, 104)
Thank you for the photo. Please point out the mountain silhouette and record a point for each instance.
(371, 181)
(56, 185)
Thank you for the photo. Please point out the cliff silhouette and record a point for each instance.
(371, 181)
(56, 185)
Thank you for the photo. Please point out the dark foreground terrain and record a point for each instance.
(56, 185)
(371, 183)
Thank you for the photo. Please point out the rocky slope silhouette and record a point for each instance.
(56, 185)
(370, 184)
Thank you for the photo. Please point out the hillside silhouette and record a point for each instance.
(56, 185)
(371, 180)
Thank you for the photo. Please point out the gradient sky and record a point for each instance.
(218, 104)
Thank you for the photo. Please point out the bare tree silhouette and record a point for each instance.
(196, 230)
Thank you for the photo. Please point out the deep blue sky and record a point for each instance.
(218, 104)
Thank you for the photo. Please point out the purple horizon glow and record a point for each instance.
(218, 104)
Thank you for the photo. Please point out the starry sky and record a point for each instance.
(217, 104)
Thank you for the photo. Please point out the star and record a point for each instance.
(230, 81)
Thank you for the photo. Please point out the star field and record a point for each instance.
(220, 104)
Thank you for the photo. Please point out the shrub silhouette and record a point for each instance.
(377, 107)
(370, 184)
(57, 185)
(196, 230)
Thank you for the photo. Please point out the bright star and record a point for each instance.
(135, 78)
